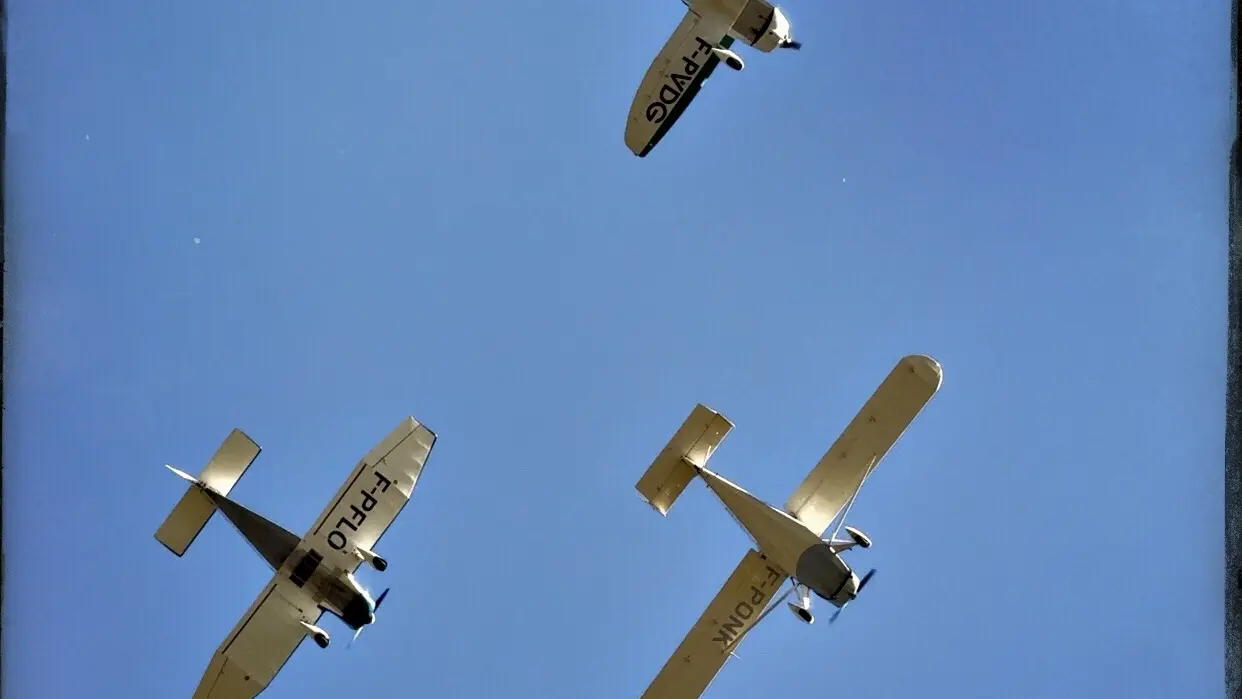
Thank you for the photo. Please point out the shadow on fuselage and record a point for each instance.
(823, 572)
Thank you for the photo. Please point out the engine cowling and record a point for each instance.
(321, 639)
(779, 33)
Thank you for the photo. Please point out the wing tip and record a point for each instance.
(927, 369)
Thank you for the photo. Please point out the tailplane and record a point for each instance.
(685, 453)
(190, 515)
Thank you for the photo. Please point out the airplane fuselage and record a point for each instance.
(787, 542)
(334, 591)
(758, 23)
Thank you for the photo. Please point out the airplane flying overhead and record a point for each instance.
(700, 42)
(314, 573)
(788, 542)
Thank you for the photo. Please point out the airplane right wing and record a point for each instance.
(884, 417)
(371, 497)
(261, 643)
(732, 613)
(674, 78)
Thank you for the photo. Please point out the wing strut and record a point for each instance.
(845, 512)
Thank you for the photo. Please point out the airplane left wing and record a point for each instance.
(372, 496)
(259, 646)
(674, 78)
(731, 614)
(883, 419)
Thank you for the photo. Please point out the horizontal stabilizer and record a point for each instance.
(229, 462)
(688, 450)
(191, 514)
(186, 520)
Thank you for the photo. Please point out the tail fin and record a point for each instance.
(685, 453)
(196, 507)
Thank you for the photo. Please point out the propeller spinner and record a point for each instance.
(378, 601)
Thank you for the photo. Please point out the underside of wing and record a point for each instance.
(260, 645)
(373, 495)
(877, 427)
(674, 78)
(717, 633)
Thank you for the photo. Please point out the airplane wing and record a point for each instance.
(372, 496)
(261, 643)
(733, 612)
(885, 416)
(674, 78)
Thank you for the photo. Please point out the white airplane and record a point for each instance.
(789, 541)
(313, 573)
(697, 46)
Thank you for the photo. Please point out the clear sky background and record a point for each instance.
(311, 219)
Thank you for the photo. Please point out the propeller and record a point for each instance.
(378, 601)
(861, 584)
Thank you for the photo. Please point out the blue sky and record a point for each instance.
(309, 220)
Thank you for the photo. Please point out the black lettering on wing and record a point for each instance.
(773, 576)
(731, 627)
(382, 482)
(743, 610)
(669, 94)
(756, 595)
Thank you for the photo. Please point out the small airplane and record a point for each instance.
(788, 542)
(313, 573)
(700, 42)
